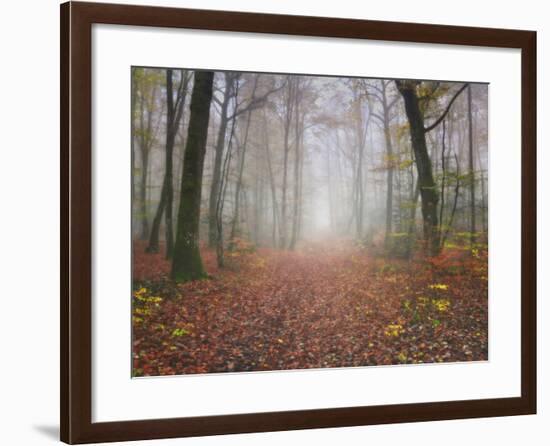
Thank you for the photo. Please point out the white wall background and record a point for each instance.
(29, 221)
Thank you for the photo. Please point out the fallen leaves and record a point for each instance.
(326, 305)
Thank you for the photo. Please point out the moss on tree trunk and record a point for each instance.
(426, 182)
(187, 263)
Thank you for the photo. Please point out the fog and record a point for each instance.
(296, 158)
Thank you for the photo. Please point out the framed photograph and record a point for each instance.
(279, 222)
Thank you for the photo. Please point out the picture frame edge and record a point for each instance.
(76, 425)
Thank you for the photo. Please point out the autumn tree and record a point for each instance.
(242, 159)
(230, 80)
(379, 90)
(145, 90)
(187, 263)
(426, 183)
(174, 111)
(471, 168)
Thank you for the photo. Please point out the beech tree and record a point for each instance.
(187, 263)
(426, 182)
(174, 111)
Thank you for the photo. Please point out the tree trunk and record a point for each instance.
(443, 178)
(133, 142)
(287, 121)
(187, 263)
(153, 246)
(359, 196)
(173, 116)
(216, 174)
(472, 172)
(453, 210)
(238, 187)
(389, 173)
(224, 181)
(274, 205)
(412, 219)
(483, 203)
(428, 191)
(144, 152)
(298, 134)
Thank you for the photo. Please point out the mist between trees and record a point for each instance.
(232, 161)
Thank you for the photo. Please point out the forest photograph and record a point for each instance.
(293, 221)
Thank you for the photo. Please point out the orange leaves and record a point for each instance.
(327, 305)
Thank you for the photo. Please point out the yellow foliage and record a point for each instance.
(439, 286)
(178, 332)
(140, 292)
(142, 311)
(394, 330)
(441, 304)
(140, 295)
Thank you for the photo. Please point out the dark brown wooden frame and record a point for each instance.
(76, 221)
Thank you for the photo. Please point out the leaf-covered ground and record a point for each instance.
(325, 305)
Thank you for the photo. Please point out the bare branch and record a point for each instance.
(438, 120)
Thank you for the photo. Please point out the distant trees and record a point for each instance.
(145, 127)
(360, 114)
(262, 159)
(379, 90)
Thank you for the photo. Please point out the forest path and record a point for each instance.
(324, 305)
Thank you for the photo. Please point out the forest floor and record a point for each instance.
(324, 305)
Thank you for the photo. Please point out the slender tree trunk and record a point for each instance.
(331, 203)
(153, 246)
(216, 174)
(298, 134)
(173, 117)
(399, 202)
(220, 252)
(443, 177)
(235, 223)
(472, 172)
(359, 195)
(287, 121)
(412, 219)
(187, 263)
(177, 115)
(274, 204)
(389, 173)
(144, 152)
(143, 195)
(169, 205)
(483, 202)
(133, 142)
(455, 203)
(238, 186)
(258, 194)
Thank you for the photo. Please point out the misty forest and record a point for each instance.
(287, 221)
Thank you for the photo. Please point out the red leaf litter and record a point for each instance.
(329, 304)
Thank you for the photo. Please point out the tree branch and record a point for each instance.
(438, 121)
